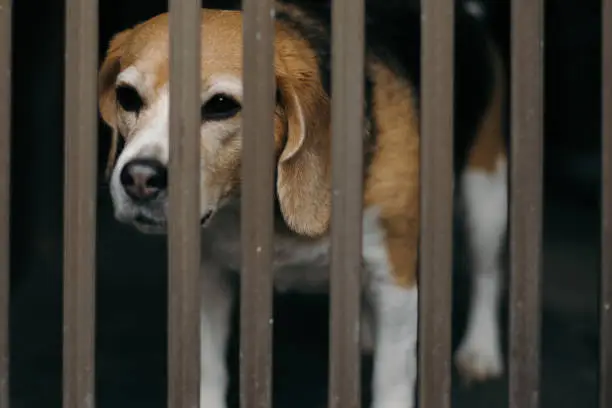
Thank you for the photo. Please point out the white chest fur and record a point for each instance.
(299, 264)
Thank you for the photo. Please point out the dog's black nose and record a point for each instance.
(144, 179)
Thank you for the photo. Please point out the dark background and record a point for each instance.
(131, 308)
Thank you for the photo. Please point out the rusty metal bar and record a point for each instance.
(605, 380)
(80, 167)
(526, 202)
(348, 31)
(184, 205)
(435, 279)
(5, 181)
(257, 205)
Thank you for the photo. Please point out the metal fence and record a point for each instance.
(436, 244)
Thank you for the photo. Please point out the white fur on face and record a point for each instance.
(147, 136)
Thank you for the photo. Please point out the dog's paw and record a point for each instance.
(479, 361)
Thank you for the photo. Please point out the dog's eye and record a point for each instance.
(129, 99)
(220, 107)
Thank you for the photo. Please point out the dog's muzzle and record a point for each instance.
(145, 183)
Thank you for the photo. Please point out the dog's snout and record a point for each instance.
(144, 179)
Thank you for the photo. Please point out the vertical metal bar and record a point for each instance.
(257, 205)
(5, 181)
(605, 381)
(437, 65)
(526, 202)
(184, 205)
(81, 142)
(347, 201)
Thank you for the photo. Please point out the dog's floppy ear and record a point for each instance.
(304, 182)
(106, 91)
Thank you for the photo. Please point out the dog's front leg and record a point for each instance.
(395, 362)
(390, 258)
(214, 331)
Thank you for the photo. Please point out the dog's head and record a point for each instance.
(134, 102)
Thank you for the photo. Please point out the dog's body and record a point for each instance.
(134, 102)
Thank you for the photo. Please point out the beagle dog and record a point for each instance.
(133, 100)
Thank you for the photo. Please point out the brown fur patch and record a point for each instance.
(304, 166)
(489, 144)
(148, 49)
(392, 184)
